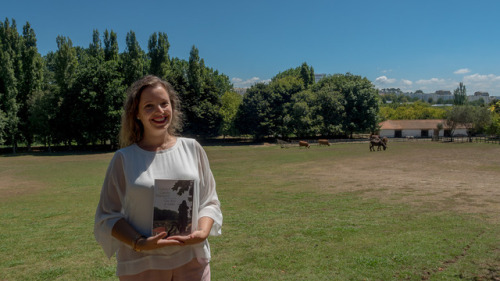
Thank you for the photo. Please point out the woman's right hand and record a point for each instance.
(156, 242)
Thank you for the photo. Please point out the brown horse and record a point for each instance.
(323, 142)
(379, 143)
(304, 144)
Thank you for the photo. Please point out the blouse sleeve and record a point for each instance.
(109, 209)
(209, 201)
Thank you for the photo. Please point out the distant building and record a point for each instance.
(240, 91)
(443, 93)
(318, 77)
(481, 94)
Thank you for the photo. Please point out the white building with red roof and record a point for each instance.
(418, 128)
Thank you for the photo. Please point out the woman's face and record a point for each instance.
(155, 111)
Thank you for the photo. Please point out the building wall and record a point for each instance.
(418, 133)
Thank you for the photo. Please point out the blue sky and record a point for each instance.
(424, 44)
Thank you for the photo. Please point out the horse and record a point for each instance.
(304, 143)
(323, 142)
(378, 143)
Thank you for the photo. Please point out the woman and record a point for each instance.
(151, 150)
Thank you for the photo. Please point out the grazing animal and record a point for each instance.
(323, 142)
(378, 143)
(304, 143)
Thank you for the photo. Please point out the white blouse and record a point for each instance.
(127, 193)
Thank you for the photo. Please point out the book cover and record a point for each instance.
(173, 207)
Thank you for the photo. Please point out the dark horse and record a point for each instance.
(379, 143)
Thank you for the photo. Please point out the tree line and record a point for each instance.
(75, 95)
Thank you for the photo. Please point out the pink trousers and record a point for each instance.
(191, 271)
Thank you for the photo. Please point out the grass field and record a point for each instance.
(418, 211)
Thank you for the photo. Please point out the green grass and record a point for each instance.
(281, 220)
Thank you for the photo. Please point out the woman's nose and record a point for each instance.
(159, 108)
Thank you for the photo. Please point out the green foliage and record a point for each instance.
(460, 95)
(31, 83)
(66, 64)
(110, 46)
(474, 118)
(303, 72)
(158, 46)
(10, 76)
(494, 127)
(201, 95)
(132, 60)
(413, 111)
(337, 105)
(358, 103)
(230, 102)
(254, 112)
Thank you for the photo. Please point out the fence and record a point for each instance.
(479, 139)
(461, 139)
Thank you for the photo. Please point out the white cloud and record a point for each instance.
(482, 82)
(473, 82)
(384, 80)
(240, 83)
(462, 71)
(407, 82)
(431, 81)
(481, 78)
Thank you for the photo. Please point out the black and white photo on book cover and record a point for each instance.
(173, 206)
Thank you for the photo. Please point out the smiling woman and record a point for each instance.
(151, 153)
(157, 93)
(155, 116)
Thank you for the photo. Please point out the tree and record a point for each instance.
(133, 61)
(282, 90)
(328, 110)
(358, 99)
(230, 102)
(31, 83)
(194, 71)
(414, 111)
(158, 46)
(460, 95)
(10, 72)
(202, 98)
(303, 72)
(65, 73)
(253, 115)
(475, 119)
(307, 74)
(110, 46)
(95, 48)
(494, 127)
(301, 116)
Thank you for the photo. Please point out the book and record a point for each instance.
(173, 207)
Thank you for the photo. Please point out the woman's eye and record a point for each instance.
(148, 106)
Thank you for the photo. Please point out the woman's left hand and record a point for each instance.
(194, 238)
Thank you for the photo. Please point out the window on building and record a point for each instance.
(424, 133)
(398, 134)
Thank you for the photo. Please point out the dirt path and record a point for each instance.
(457, 177)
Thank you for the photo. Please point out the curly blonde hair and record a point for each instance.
(132, 130)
